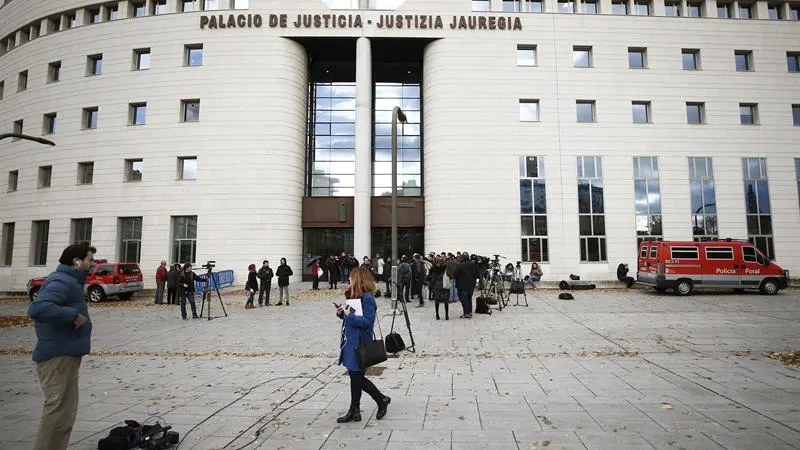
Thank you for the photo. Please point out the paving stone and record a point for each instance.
(552, 376)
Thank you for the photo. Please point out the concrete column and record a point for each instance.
(787, 11)
(125, 9)
(496, 5)
(362, 214)
(658, 8)
(605, 7)
(761, 11)
(44, 27)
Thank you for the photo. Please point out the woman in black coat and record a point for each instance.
(251, 287)
(334, 274)
(440, 294)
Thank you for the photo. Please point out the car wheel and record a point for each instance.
(126, 296)
(769, 287)
(96, 294)
(34, 293)
(684, 287)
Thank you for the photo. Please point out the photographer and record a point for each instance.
(284, 272)
(466, 275)
(186, 290)
(357, 330)
(535, 275)
(622, 275)
(403, 280)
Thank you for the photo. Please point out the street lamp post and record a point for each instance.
(26, 137)
(397, 114)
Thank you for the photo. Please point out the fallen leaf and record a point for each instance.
(666, 406)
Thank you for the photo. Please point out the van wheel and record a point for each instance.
(684, 287)
(96, 294)
(769, 287)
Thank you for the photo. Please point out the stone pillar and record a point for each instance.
(605, 7)
(362, 214)
(658, 8)
(761, 11)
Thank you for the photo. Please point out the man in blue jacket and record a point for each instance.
(63, 336)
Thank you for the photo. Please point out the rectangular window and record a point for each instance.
(90, 118)
(590, 7)
(241, 4)
(335, 103)
(45, 176)
(794, 12)
(2, 89)
(130, 239)
(22, 81)
(134, 169)
(49, 123)
(694, 9)
(796, 115)
(757, 204)
(141, 59)
(691, 58)
(94, 16)
(703, 198)
(13, 180)
(533, 209)
(745, 11)
(137, 114)
(7, 247)
(213, 5)
(522, 6)
(477, 5)
(641, 112)
(797, 174)
(190, 110)
(112, 12)
(748, 113)
(526, 55)
(529, 110)
(85, 173)
(585, 111)
(793, 61)
(619, 7)
(72, 19)
(159, 7)
(695, 113)
(637, 58)
(719, 253)
(642, 7)
(40, 235)
(193, 55)
(566, 6)
(184, 239)
(94, 65)
(81, 231)
(724, 10)
(54, 72)
(189, 5)
(18, 125)
(591, 209)
(647, 200)
(684, 253)
(672, 9)
(582, 56)
(744, 60)
(187, 168)
(54, 24)
(138, 9)
(774, 12)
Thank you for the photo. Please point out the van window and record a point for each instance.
(128, 269)
(104, 270)
(684, 253)
(749, 254)
(643, 253)
(719, 253)
(653, 252)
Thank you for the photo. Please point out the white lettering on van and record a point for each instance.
(752, 271)
(726, 271)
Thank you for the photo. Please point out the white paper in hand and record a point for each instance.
(355, 305)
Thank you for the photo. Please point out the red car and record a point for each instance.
(105, 279)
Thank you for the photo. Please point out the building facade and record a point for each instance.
(555, 131)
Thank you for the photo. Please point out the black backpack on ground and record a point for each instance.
(565, 296)
(482, 306)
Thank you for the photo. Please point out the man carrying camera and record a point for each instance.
(265, 274)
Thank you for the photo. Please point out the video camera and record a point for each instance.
(482, 262)
(209, 265)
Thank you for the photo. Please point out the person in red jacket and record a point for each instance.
(161, 281)
(315, 274)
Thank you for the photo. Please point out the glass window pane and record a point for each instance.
(593, 249)
(766, 224)
(642, 228)
(635, 59)
(750, 197)
(585, 111)
(581, 58)
(528, 111)
(540, 225)
(640, 197)
(539, 197)
(689, 61)
(585, 225)
(640, 113)
(531, 166)
(599, 225)
(524, 243)
(709, 198)
(526, 196)
(654, 196)
(527, 225)
(598, 206)
(763, 197)
(584, 197)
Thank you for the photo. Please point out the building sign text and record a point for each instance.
(384, 21)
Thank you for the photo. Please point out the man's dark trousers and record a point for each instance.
(466, 300)
(403, 289)
(264, 291)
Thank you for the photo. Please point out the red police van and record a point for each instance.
(684, 266)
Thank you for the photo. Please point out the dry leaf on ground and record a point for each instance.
(14, 321)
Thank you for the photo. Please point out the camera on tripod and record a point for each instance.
(209, 265)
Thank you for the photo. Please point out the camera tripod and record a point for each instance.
(399, 291)
(207, 292)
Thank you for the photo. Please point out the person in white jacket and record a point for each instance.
(381, 262)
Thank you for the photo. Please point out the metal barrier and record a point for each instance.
(221, 279)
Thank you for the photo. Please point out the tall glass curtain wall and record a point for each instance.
(334, 150)
(409, 143)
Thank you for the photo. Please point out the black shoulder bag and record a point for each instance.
(394, 342)
(373, 352)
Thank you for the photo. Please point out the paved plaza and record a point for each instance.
(609, 370)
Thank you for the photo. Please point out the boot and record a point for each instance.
(382, 406)
(353, 415)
